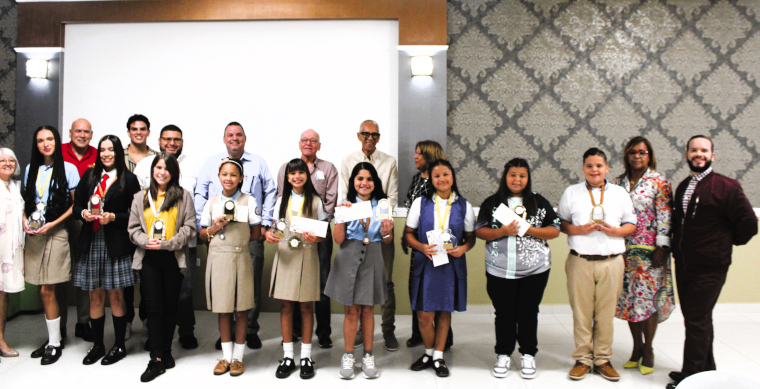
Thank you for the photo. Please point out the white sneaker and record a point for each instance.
(368, 367)
(528, 367)
(501, 368)
(346, 371)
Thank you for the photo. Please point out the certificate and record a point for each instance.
(355, 212)
(506, 216)
(441, 257)
(314, 227)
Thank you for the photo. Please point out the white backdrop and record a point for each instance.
(277, 78)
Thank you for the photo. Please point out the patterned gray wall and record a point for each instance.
(8, 30)
(545, 80)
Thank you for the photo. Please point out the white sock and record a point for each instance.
(287, 349)
(429, 352)
(54, 331)
(237, 351)
(306, 350)
(437, 355)
(227, 351)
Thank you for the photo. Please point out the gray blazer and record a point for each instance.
(184, 230)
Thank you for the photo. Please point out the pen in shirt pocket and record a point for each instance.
(694, 213)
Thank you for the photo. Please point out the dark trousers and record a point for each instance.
(321, 307)
(161, 280)
(516, 303)
(698, 290)
(257, 258)
(185, 311)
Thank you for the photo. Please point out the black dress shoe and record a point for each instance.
(325, 341)
(414, 341)
(155, 369)
(218, 345)
(253, 341)
(51, 355)
(84, 331)
(423, 363)
(116, 354)
(38, 353)
(307, 368)
(676, 376)
(96, 352)
(439, 365)
(168, 359)
(188, 342)
(671, 385)
(287, 366)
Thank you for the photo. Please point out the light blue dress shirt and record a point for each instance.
(72, 179)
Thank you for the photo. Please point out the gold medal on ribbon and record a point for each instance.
(521, 211)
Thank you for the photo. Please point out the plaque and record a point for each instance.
(95, 205)
(158, 230)
(279, 228)
(597, 214)
(229, 210)
(384, 210)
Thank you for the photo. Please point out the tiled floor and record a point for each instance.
(737, 341)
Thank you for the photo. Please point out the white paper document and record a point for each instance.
(314, 227)
(355, 212)
(506, 216)
(440, 257)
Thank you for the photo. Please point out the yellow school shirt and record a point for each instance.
(168, 217)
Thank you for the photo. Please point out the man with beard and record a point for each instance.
(170, 140)
(710, 214)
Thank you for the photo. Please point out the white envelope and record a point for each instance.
(506, 216)
(441, 257)
(355, 212)
(314, 227)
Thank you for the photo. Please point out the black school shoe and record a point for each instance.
(252, 340)
(168, 359)
(96, 352)
(155, 369)
(287, 366)
(325, 341)
(423, 363)
(51, 355)
(116, 354)
(38, 353)
(307, 368)
(84, 331)
(189, 342)
(439, 365)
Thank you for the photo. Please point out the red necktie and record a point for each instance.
(101, 192)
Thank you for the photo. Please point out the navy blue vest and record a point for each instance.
(427, 223)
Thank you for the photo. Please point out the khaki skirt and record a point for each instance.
(229, 279)
(46, 257)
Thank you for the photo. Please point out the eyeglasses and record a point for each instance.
(374, 135)
(7, 161)
(641, 153)
(312, 141)
(177, 140)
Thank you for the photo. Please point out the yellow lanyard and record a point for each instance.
(40, 187)
(300, 207)
(442, 219)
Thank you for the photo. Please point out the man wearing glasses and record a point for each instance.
(324, 176)
(138, 128)
(170, 141)
(369, 135)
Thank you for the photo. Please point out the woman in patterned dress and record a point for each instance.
(647, 297)
(11, 240)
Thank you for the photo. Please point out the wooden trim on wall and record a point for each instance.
(421, 22)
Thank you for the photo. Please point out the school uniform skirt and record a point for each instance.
(47, 260)
(96, 270)
(229, 279)
(358, 276)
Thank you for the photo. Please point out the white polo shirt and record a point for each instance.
(575, 208)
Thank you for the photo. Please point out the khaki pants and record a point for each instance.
(593, 288)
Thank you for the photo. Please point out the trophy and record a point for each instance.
(36, 220)
(95, 205)
(384, 210)
(448, 239)
(229, 210)
(521, 211)
(158, 230)
(597, 214)
(279, 229)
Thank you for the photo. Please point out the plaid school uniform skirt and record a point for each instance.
(96, 270)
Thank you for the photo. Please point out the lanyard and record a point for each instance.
(300, 207)
(601, 198)
(42, 188)
(442, 219)
(102, 189)
(152, 205)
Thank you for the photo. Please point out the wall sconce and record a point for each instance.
(36, 68)
(422, 65)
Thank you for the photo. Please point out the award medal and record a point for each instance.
(521, 211)
(295, 242)
(41, 207)
(365, 224)
(449, 241)
(597, 211)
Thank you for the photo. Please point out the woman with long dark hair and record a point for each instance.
(295, 271)
(102, 201)
(161, 223)
(517, 267)
(50, 184)
(439, 290)
(357, 279)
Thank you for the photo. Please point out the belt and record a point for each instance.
(593, 257)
